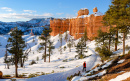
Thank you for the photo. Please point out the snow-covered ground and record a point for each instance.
(72, 65)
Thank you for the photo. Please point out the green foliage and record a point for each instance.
(42, 73)
(62, 67)
(45, 37)
(66, 60)
(32, 62)
(22, 76)
(6, 75)
(50, 48)
(80, 49)
(16, 44)
(129, 52)
(102, 36)
(31, 75)
(66, 36)
(52, 71)
(64, 48)
(37, 58)
(69, 78)
(103, 52)
(127, 47)
(119, 14)
(13, 79)
(69, 44)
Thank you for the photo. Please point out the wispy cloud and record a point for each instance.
(7, 9)
(70, 15)
(24, 16)
(30, 11)
(59, 13)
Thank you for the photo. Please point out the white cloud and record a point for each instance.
(70, 15)
(7, 9)
(23, 16)
(59, 13)
(48, 14)
(30, 11)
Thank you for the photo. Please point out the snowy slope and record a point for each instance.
(60, 74)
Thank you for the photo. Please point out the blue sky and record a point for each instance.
(24, 10)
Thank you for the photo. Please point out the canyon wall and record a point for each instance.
(77, 25)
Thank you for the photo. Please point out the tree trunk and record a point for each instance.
(49, 56)
(16, 66)
(7, 66)
(70, 49)
(116, 40)
(123, 43)
(109, 43)
(21, 62)
(45, 51)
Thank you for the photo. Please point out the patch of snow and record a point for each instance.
(121, 77)
(98, 14)
(107, 64)
(121, 61)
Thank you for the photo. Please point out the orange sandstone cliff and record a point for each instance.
(77, 26)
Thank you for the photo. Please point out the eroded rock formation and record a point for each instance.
(77, 25)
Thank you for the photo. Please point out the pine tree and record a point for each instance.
(101, 38)
(69, 44)
(119, 15)
(45, 37)
(80, 47)
(110, 37)
(50, 48)
(17, 44)
(60, 38)
(66, 36)
(85, 36)
(6, 59)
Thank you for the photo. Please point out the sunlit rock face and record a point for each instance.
(77, 25)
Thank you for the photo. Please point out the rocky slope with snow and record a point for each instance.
(36, 24)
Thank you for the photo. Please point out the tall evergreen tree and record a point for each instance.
(101, 38)
(85, 36)
(110, 37)
(80, 48)
(6, 59)
(60, 38)
(45, 37)
(119, 15)
(50, 48)
(69, 44)
(66, 36)
(17, 44)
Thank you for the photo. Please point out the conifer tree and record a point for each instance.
(17, 43)
(6, 59)
(45, 37)
(110, 37)
(101, 38)
(66, 36)
(80, 48)
(50, 48)
(69, 44)
(60, 38)
(85, 36)
(119, 15)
